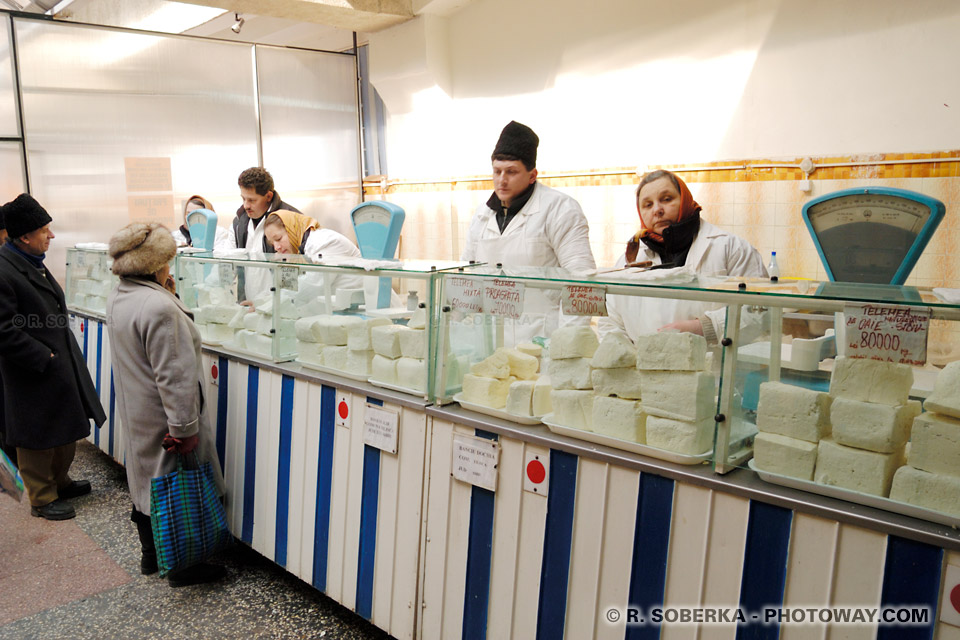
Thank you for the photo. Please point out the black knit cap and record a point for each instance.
(520, 141)
(23, 215)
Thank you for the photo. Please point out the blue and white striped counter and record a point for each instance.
(615, 531)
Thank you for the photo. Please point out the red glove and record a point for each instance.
(180, 445)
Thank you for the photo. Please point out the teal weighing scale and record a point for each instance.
(202, 224)
(377, 225)
(871, 236)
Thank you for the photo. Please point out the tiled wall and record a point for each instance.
(762, 205)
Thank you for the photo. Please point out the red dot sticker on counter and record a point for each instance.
(536, 470)
(343, 410)
(214, 372)
(950, 613)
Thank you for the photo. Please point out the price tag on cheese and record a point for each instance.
(584, 301)
(887, 332)
(464, 294)
(503, 298)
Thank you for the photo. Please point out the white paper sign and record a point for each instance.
(380, 428)
(475, 460)
(584, 301)
(464, 294)
(503, 298)
(289, 278)
(887, 332)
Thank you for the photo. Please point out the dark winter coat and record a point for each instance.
(48, 402)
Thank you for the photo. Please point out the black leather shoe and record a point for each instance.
(56, 510)
(75, 489)
(148, 564)
(197, 574)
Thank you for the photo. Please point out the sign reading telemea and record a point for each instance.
(887, 332)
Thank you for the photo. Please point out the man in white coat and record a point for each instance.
(527, 224)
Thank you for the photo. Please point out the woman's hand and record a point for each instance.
(180, 445)
(248, 304)
(170, 285)
(686, 326)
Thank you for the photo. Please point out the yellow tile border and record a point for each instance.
(880, 166)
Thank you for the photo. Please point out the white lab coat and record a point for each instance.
(549, 231)
(327, 243)
(714, 252)
(257, 280)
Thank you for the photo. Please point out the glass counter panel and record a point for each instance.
(89, 280)
(870, 431)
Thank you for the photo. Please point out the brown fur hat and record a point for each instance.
(141, 249)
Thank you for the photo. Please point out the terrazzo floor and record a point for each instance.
(81, 579)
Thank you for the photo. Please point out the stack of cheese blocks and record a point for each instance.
(931, 478)
(256, 330)
(791, 422)
(322, 339)
(91, 285)
(528, 396)
(489, 381)
(570, 370)
(616, 386)
(871, 416)
(217, 308)
(679, 395)
(400, 353)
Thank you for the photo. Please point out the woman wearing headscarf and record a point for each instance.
(673, 233)
(182, 235)
(159, 379)
(294, 233)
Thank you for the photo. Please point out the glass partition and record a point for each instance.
(9, 123)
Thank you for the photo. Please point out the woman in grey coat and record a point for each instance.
(158, 376)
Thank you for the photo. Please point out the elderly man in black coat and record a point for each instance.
(49, 398)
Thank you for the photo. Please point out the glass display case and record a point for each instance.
(361, 319)
(826, 370)
(88, 279)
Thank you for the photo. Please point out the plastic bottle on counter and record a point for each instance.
(773, 269)
(412, 301)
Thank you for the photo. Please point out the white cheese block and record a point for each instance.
(251, 322)
(202, 330)
(359, 362)
(219, 332)
(785, 456)
(872, 426)
(489, 392)
(520, 397)
(856, 469)
(310, 352)
(575, 341)
(217, 313)
(621, 419)
(615, 352)
(573, 408)
(241, 337)
(945, 398)
(671, 351)
(530, 349)
(413, 343)
(335, 356)
(935, 444)
(385, 339)
(793, 411)
(207, 295)
(419, 319)
(571, 373)
(871, 380)
(522, 366)
(928, 490)
(383, 369)
(412, 372)
(358, 334)
(680, 436)
(97, 302)
(303, 330)
(495, 366)
(681, 395)
(541, 397)
(332, 329)
(236, 322)
(259, 343)
(623, 383)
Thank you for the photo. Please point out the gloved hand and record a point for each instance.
(180, 445)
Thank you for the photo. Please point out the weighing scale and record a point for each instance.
(377, 226)
(871, 236)
(202, 224)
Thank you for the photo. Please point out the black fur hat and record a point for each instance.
(520, 141)
(23, 215)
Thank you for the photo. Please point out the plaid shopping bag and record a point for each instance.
(189, 522)
(10, 480)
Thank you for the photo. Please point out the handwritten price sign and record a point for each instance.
(887, 332)
(464, 294)
(503, 298)
(584, 301)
